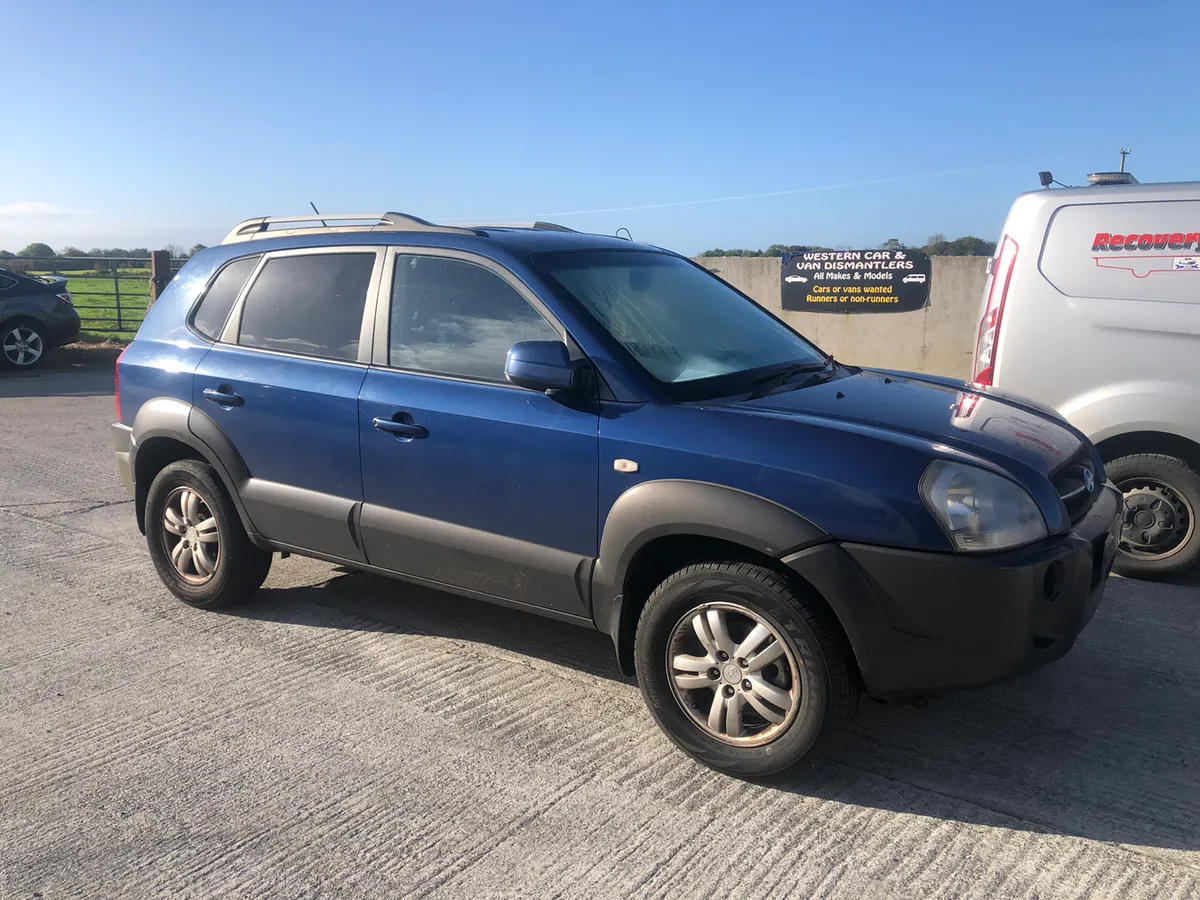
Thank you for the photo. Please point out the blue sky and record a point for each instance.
(880, 119)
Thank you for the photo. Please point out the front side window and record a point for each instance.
(218, 300)
(451, 317)
(310, 304)
(676, 320)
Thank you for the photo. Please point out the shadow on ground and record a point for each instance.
(79, 370)
(1104, 744)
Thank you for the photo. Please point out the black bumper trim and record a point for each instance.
(926, 623)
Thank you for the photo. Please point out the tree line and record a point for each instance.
(936, 245)
(41, 251)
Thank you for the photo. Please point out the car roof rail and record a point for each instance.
(532, 226)
(277, 226)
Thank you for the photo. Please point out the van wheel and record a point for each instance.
(1162, 496)
(741, 671)
(196, 539)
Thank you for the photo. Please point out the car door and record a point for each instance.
(469, 481)
(282, 385)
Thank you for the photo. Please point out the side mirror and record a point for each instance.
(541, 366)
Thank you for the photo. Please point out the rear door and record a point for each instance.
(283, 383)
(487, 487)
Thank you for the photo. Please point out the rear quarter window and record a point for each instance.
(1125, 251)
(209, 318)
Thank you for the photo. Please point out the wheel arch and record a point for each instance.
(163, 433)
(658, 527)
(1164, 442)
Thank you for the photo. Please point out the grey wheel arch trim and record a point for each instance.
(177, 420)
(668, 507)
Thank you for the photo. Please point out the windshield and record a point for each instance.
(679, 322)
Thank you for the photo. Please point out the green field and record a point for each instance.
(95, 295)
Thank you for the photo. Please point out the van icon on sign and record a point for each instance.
(914, 278)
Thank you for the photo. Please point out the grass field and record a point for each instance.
(95, 297)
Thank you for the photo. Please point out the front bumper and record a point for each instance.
(926, 623)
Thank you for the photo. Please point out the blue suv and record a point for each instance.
(608, 434)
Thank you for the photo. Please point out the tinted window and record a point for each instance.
(214, 308)
(310, 304)
(6, 282)
(456, 318)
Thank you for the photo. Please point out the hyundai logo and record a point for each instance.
(1089, 480)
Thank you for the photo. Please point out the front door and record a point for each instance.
(469, 481)
(283, 386)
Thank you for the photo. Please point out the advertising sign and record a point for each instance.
(856, 281)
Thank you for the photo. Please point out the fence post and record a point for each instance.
(117, 291)
(160, 274)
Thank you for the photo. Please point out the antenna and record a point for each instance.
(1124, 153)
(318, 212)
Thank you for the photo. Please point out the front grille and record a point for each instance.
(1071, 481)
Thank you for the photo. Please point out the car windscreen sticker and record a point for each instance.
(856, 281)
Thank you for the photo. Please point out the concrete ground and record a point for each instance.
(348, 736)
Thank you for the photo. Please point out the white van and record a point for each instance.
(1092, 306)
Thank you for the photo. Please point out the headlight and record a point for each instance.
(980, 511)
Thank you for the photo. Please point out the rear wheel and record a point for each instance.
(196, 539)
(741, 671)
(1159, 532)
(23, 344)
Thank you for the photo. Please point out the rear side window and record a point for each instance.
(456, 318)
(6, 282)
(311, 305)
(214, 307)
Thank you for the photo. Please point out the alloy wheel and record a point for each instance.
(22, 346)
(733, 674)
(190, 535)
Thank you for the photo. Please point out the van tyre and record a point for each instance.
(742, 671)
(1162, 498)
(197, 541)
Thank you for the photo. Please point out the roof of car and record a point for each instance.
(402, 228)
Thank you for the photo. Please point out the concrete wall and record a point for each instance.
(939, 339)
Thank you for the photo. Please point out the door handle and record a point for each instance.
(223, 396)
(406, 431)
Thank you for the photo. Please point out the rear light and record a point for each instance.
(993, 312)
(66, 298)
(117, 382)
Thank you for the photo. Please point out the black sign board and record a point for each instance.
(856, 281)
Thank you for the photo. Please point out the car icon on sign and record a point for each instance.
(914, 278)
(795, 278)
(1186, 263)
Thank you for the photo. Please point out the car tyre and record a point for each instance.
(772, 715)
(1160, 537)
(23, 344)
(197, 541)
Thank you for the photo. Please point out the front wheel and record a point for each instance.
(741, 671)
(1162, 497)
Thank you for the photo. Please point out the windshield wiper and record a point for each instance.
(768, 383)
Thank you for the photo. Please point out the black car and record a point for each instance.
(36, 315)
